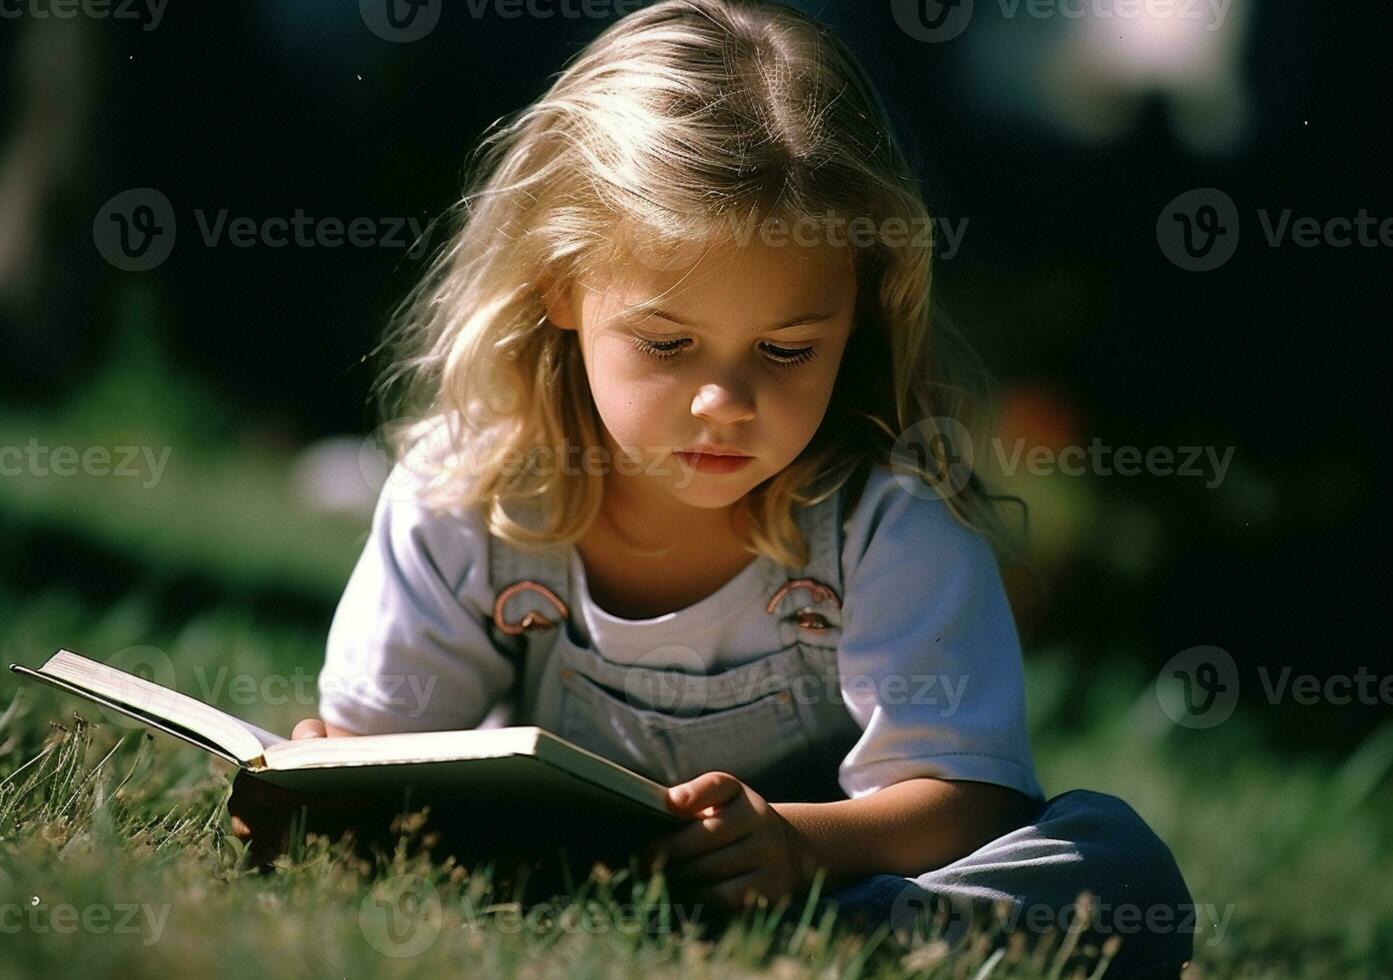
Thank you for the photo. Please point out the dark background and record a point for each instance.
(265, 107)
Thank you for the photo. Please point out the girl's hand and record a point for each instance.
(261, 812)
(314, 728)
(739, 849)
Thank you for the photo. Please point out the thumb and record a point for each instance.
(710, 789)
(309, 728)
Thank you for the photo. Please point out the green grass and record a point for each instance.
(1293, 853)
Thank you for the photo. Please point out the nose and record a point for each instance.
(724, 404)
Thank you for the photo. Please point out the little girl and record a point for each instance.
(675, 367)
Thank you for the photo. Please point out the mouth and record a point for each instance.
(715, 462)
(721, 451)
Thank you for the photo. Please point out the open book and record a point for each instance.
(499, 769)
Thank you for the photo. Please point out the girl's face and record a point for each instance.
(740, 350)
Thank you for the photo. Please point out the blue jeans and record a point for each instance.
(1081, 841)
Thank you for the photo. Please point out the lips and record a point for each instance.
(714, 462)
(707, 450)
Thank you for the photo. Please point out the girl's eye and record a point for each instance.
(780, 356)
(790, 357)
(659, 348)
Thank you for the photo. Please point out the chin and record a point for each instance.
(712, 492)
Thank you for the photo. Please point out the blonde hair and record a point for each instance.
(679, 118)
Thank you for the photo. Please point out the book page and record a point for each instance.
(407, 749)
(166, 709)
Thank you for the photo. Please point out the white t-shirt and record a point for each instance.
(923, 603)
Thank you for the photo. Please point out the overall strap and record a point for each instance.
(824, 530)
(531, 589)
(810, 599)
(530, 586)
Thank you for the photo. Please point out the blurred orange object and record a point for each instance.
(1039, 414)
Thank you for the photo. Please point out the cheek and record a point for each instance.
(794, 405)
(630, 395)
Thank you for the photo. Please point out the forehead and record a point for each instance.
(754, 280)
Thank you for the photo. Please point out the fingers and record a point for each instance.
(259, 817)
(706, 835)
(309, 728)
(722, 798)
(710, 789)
(728, 861)
(700, 837)
(264, 832)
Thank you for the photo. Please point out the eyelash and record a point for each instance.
(793, 357)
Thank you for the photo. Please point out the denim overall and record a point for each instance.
(779, 724)
(776, 722)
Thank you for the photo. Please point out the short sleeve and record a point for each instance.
(929, 658)
(408, 648)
